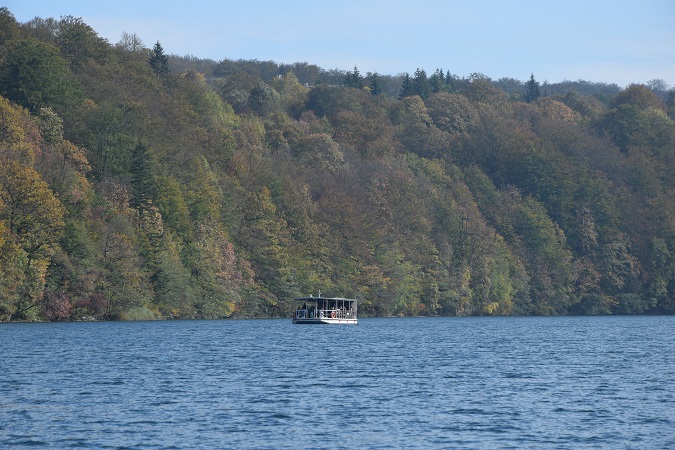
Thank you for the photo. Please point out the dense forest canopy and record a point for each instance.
(136, 184)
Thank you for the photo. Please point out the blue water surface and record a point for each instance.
(554, 382)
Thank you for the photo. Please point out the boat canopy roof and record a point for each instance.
(311, 298)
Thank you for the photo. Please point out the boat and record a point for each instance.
(325, 310)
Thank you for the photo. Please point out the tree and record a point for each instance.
(320, 151)
(264, 236)
(638, 96)
(354, 79)
(421, 84)
(662, 269)
(131, 42)
(452, 113)
(34, 75)
(532, 90)
(42, 29)
(670, 103)
(437, 82)
(79, 42)
(33, 217)
(12, 131)
(171, 280)
(375, 87)
(51, 127)
(481, 90)
(9, 27)
(292, 94)
(124, 281)
(203, 192)
(406, 87)
(450, 82)
(659, 86)
(31, 211)
(142, 178)
(639, 119)
(173, 206)
(263, 99)
(158, 61)
(548, 258)
(236, 89)
(108, 139)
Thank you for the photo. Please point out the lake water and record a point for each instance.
(561, 382)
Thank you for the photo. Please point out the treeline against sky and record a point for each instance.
(134, 185)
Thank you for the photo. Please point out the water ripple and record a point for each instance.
(603, 382)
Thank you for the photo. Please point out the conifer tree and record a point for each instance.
(450, 83)
(532, 90)
(142, 178)
(354, 79)
(437, 81)
(375, 87)
(158, 60)
(348, 79)
(421, 84)
(406, 87)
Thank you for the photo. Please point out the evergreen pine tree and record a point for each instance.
(421, 84)
(406, 87)
(354, 79)
(158, 61)
(142, 178)
(358, 79)
(450, 83)
(348, 79)
(375, 88)
(532, 91)
(437, 82)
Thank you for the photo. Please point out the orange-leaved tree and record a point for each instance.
(33, 219)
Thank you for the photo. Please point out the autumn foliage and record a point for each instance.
(130, 189)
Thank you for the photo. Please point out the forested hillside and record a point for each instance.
(138, 186)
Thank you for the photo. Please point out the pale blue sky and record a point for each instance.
(611, 41)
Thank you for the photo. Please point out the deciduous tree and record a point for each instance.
(34, 75)
(79, 42)
(33, 217)
(9, 27)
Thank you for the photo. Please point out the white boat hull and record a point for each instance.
(324, 321)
